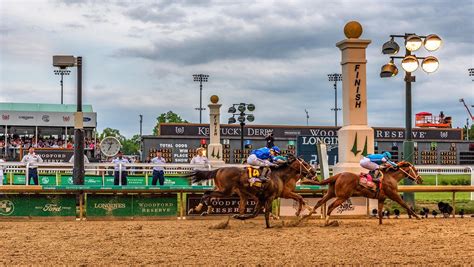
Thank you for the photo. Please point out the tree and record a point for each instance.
(471, 132)
(112, 132)
(131, 146)
(168, 117)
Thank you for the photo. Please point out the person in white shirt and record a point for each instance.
(1, 171)
(117, 161)
(200, 158)
(33, 160)
(158, 171)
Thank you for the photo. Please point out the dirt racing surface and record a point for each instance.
(191, 242)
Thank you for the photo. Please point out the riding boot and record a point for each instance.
(376, 176)
(265, 172)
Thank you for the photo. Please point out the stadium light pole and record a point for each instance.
(62, 72)
(410, 64)
(471, 72)
(64, 62)
(200, 78)
(335, 77)
(242, 117)
(307, 117)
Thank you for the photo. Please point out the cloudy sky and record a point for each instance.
(139, 56)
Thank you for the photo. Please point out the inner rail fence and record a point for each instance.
(146, 170)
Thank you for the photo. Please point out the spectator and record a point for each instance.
(441, 117)
(200, 158)
(33, 160)
(158, 171)
(117, 161)
(270, 140)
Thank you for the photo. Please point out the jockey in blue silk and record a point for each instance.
(372, 162)
(265, 157)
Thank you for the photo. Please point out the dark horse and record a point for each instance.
(345, 185)
(282, 183)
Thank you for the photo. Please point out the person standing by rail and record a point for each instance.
(158, 171)
(33, 160)
(117, 161)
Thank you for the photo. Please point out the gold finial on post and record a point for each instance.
(353, 29)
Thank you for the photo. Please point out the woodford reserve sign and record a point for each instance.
(286, 132)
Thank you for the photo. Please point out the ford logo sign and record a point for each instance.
(86, 119)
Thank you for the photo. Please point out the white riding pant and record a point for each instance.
(367, 164)
(254, 161)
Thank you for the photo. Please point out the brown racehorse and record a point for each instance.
(282, 183)
(345, 185)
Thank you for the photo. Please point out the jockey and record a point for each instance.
(265, 157)
(372, 162)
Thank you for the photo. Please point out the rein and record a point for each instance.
(302, 165)
(411, 173)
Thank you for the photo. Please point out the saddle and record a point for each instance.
(257, 176)
(366, 181)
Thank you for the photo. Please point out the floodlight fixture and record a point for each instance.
(410, 63)
(432, 42)
(390, 47)
(430, 64)
(413, 42)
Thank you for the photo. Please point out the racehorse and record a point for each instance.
(282, 183)
(345, 185)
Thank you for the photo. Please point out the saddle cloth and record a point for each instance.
(365, 180)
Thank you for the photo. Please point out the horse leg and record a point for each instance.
(330, 194)
(204, 201)
(334, 205)
(258, 207)
(268, 208)
(380, 206)
(297, 198)
(396, 197)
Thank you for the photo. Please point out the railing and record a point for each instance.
(177, 169)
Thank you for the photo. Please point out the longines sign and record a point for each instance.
(330, 133)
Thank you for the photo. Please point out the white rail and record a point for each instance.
(173, 168)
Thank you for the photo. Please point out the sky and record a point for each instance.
(139, 57)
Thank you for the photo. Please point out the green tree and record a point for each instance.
(471, 132)
(111, 132)
(168, 117)
(131, 146)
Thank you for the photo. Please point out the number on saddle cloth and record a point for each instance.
(253, 172)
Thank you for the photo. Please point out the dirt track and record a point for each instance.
(432, 241)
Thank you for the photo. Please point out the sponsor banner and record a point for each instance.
(43, 179)
(52, 119)
(353, 206)
(108, 205)
(131, 205)
(37, 205)
(328, 134)
(151, 205)
(54, 155)
(219, 206)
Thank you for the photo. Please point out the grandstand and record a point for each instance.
(47, 127)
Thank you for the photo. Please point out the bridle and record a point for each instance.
(412, 174)
(303, 165)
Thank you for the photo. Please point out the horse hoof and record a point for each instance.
(204, 213)
(236, 216)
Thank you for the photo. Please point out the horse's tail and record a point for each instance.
(199, 175)
(329, 180)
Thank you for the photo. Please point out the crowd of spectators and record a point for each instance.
(25, 142)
